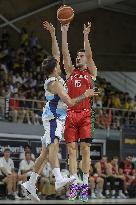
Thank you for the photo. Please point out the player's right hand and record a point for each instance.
(90, 93)
(65, 27)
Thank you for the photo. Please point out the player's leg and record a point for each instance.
(9, 182)
(70, 135)
(99, 187)
(92, 187)
(71, 138)
(85, 152)
(85, 141)
(72, 152)
(30, 185)
(39, 163)
(56, 135)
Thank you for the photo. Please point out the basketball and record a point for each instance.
(65, 14)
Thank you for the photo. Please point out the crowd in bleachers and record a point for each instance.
(107, 179)
(122, 106)
(21, 75)
(22, 79)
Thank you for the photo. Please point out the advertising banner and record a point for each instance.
(128, 142)
(16, 145)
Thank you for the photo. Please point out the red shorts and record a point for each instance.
(78, 125)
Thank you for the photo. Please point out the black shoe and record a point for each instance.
(10, 197)
(60, 198)
(2, 197)
(51, 197)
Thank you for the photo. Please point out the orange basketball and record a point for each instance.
(65, 14)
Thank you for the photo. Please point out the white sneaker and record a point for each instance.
(100, 196)
(93, 196)
(122, 196)
(17, 197)
(27, 187)
(63, 182)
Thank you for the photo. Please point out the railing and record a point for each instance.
(30, 111)
(21, 110)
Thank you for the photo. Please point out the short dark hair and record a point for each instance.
(81, 50)
(6, 150)
(48, 65)
(27, 145)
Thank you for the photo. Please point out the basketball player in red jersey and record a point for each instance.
(78, 121)
(117, 180)
(127, 168)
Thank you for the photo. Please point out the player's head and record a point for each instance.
(129, 158)
(7, 153)
(51, 66)
(104, 159)
(115, 159)
(81, 59)
(27, 148)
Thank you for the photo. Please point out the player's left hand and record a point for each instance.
(48, 26)
(87, 28)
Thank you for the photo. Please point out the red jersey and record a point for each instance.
(128, 167)
(78, 82)
(14, 104)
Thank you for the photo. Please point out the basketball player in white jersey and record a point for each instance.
(53, 117)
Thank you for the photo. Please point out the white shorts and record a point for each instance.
(53, 128)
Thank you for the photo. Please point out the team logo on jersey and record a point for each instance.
(77, 83)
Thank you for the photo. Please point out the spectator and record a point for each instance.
(105, 118)
(3, 72)
(17, 78)
(7, 167)
(127, 167)
(24, 37)
(116, 101)
(129, 104)
(33, 40)
(119, 179)
(26, 165)
(27, 148)
(102, 169)
(14, 105)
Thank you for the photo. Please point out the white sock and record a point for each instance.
(99, 191)
(76, 176)
(113, 192)
(56, 172)
(15, 193)
(33, 178)
(85, 178)
(107, 192)
(120, 192)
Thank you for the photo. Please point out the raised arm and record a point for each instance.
(88, 52)
(57, 88)
(65, 51)
(55, 48)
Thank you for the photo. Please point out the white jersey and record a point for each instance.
(55, 108)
